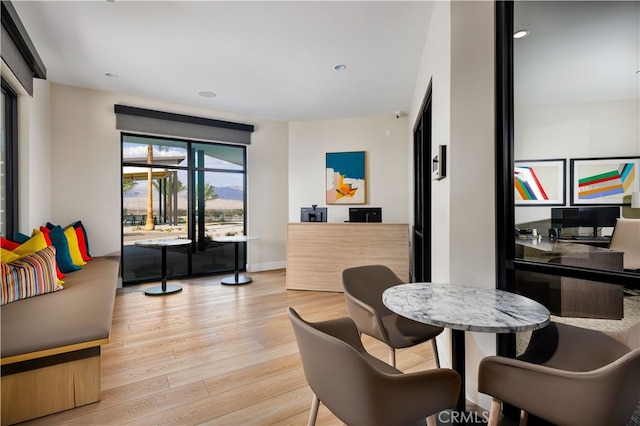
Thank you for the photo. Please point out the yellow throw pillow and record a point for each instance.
(32, 245)
(74, 248)
(7, 256)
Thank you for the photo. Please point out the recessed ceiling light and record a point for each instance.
(207, 94)
(521, 34)
(111, 75)
(340, 67)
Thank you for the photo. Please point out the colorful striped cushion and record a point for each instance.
(29, 276)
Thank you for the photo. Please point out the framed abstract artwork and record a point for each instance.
(346, 179)
(603, 180)
(540, 182)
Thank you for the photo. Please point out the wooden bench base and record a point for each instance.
(39, 387)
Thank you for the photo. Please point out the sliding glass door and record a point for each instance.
(182, 189)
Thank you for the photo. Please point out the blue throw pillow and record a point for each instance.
(63, 257)
(19, 237)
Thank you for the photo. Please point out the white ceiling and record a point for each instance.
(265, 59)
(275, 59)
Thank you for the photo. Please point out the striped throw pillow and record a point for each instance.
(29, 276)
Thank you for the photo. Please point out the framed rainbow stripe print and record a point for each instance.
(604, 180)
(539, 182)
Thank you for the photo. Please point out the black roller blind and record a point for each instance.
(148, 121)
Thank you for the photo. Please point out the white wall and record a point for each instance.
(34, 150)
(473, 166)
(383, 140)
(36, 191)
(77, 169)
(458, 59)
(435, 69)
(86, 175)
(472, 159)
(267, 195)
(579, 130)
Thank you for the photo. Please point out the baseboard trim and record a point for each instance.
(258, 267)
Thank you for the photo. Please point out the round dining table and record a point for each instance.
(163, 243)
(463, 308)
(236, 240)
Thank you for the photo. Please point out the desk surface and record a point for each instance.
(562, 246)
(599, 241)
(466, 308)
(569, 253)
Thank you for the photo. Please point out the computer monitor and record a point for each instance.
(365, 214)
(313, 214)
(586, 217)
(599, 217)
(562, 217)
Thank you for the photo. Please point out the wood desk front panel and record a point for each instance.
(317, 253)
(577, 297)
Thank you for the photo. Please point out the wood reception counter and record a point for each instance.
(317, 253)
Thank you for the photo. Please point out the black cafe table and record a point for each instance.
(462, 308)
(163, 243)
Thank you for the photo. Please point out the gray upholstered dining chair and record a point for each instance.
(363, 287)
(569, 376)
(360, 389)
(626, 238)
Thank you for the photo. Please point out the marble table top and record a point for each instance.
(466, 308)
(233, 239)
(159, 242)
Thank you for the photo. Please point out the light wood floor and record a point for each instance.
(213, 354)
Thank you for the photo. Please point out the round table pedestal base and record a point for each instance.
(232, 280)
(158, 291)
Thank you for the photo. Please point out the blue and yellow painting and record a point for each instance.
(345, 173)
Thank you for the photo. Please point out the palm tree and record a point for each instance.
(176, 187)
(172, 187)
(128, 184)
(209, 192)
(150, 226)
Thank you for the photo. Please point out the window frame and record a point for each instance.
(11, 179)
(192, 169)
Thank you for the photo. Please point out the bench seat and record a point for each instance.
(50, 344)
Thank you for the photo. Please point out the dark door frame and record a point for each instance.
(422, 191)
